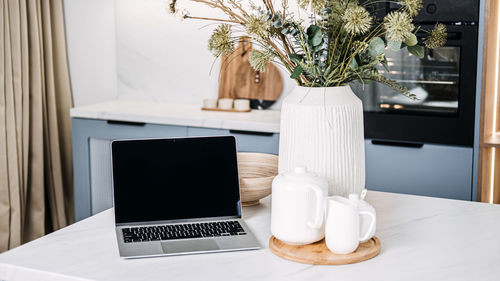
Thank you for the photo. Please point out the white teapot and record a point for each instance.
(297, 215)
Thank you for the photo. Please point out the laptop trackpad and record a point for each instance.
(195, 245)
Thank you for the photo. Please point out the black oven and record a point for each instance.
(444, 80)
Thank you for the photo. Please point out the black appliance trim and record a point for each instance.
(398, 143)
(455, 129)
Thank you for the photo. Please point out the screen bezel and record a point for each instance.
(238, 216)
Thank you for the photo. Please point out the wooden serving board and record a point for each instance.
(318, 253)
(225, 110)
(238, 80)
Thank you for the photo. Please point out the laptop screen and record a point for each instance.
(173, 179)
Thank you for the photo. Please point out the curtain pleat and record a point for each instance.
(35, 221)
(4, 175)
(51, 134)
(36, 192)
(11, 128)
(62, 102)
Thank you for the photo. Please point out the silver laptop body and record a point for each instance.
(154, 217)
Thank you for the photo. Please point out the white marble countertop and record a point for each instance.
(155, 112)
(422, 238)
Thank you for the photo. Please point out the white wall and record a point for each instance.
(135, 49)
(90, 35)
(160, 58)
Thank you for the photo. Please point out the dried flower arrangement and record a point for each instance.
(343, 41)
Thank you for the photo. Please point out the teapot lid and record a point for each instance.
(358, 199)
(298, 176)
(301, 173)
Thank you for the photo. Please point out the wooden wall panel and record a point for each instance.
(489, 138)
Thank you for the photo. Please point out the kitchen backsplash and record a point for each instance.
(160, 58)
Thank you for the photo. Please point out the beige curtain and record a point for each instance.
(36, 194)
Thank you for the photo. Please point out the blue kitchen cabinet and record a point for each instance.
(247, 141)
(429, 170)
(92, 158)
(92, 154)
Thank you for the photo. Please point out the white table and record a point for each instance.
(422, 238)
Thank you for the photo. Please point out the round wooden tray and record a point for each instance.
(318, 253)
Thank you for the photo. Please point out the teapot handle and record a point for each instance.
(372, 225)
(318, 217)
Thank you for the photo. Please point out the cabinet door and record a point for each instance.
(246, 141)
(92, 158)
(429, 170)
(100, 175)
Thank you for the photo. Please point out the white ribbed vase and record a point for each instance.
(322, 129)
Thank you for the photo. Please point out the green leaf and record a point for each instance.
(411, 40)
(326, 11)
(314, 35)
(295, 58)
(296, 72)
(376, 47)
(394, 45)
(417, 51)
(277, 23)
(353, 64)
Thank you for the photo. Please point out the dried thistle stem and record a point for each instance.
(222, 7)
(239, 7)
(212, 19)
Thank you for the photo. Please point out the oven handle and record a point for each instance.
(398, 143)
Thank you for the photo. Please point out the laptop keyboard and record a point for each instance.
(182, 231)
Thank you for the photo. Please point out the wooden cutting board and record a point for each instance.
(318, 253)
(237, 79)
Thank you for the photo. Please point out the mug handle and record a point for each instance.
(372, 224)
(318, 218)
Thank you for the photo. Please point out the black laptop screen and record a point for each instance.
(172, 179)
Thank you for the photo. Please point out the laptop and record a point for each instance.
(178, 196)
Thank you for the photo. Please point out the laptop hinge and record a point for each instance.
(127, 224)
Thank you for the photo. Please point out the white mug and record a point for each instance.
(226, 103)
(342, 229)
(210, 103)
(241, 104)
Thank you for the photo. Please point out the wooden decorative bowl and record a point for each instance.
(257, 171)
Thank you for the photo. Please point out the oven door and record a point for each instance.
(445, 83)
